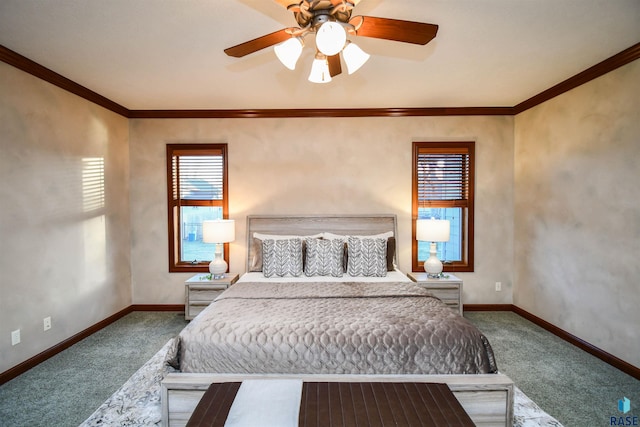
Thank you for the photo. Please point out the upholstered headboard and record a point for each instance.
(302, 225)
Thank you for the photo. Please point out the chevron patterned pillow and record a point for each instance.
(282, 257)
(367, 257)
(324, 257)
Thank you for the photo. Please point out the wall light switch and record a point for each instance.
(46, 323)
(15, 337)
(498, 286)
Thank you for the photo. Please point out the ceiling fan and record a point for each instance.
(331, 21)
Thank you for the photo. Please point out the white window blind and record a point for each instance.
(200, 177)
(442, 179)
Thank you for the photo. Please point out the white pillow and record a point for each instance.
(331, 236)
(283, 236)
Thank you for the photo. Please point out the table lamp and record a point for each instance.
(218, 231)
(433, 230)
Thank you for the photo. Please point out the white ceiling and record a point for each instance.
(168, 54)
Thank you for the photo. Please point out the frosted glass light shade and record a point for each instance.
(320, 71)
(330, 38)
(433, 230)
(354, 57)
(288, 52)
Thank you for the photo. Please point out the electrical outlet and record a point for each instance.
(46, 322)
(15, 337)
(498, 286)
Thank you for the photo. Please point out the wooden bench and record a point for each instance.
(487, 399)
(374, 404)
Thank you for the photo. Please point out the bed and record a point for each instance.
(323, 299)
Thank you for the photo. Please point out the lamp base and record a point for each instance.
(218, 267)
(432, 265)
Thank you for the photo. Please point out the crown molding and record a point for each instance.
(319, 112)
(28, 66)
(25, 64)
(600, 69)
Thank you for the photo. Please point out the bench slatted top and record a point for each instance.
(351, 404)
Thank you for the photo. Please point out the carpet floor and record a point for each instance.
(65, 389)
(573, 386)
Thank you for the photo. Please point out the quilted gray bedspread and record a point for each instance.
(337, 328)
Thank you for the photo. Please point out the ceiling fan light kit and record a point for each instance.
(354, 57)
(289, 52)
(320, 70)
(330, 38)
(331, 22)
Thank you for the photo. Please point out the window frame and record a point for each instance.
(447, 147)
(174, 203)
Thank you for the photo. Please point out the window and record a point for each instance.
(443, 180)
(197, 191)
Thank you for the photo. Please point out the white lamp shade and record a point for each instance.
(330, 38)
(218, 231)
(433, 230)
(320, 71)
(289, 52)
(354, 57)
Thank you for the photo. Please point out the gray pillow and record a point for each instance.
(256, 255)
(367, 257)
(324, 257)
(282, 257)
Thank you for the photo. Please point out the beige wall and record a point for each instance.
(59, 257)
(321, 166)
(573, 201)
(577, 212)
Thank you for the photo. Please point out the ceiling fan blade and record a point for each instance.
(255, 45)
(337, 2)
(394, 29)
(335, 67)
(291, 3)
(287, 3)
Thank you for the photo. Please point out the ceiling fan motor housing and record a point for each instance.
(315, 13)
(320, 18)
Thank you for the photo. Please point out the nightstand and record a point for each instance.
(199, 292)
(448, 289)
